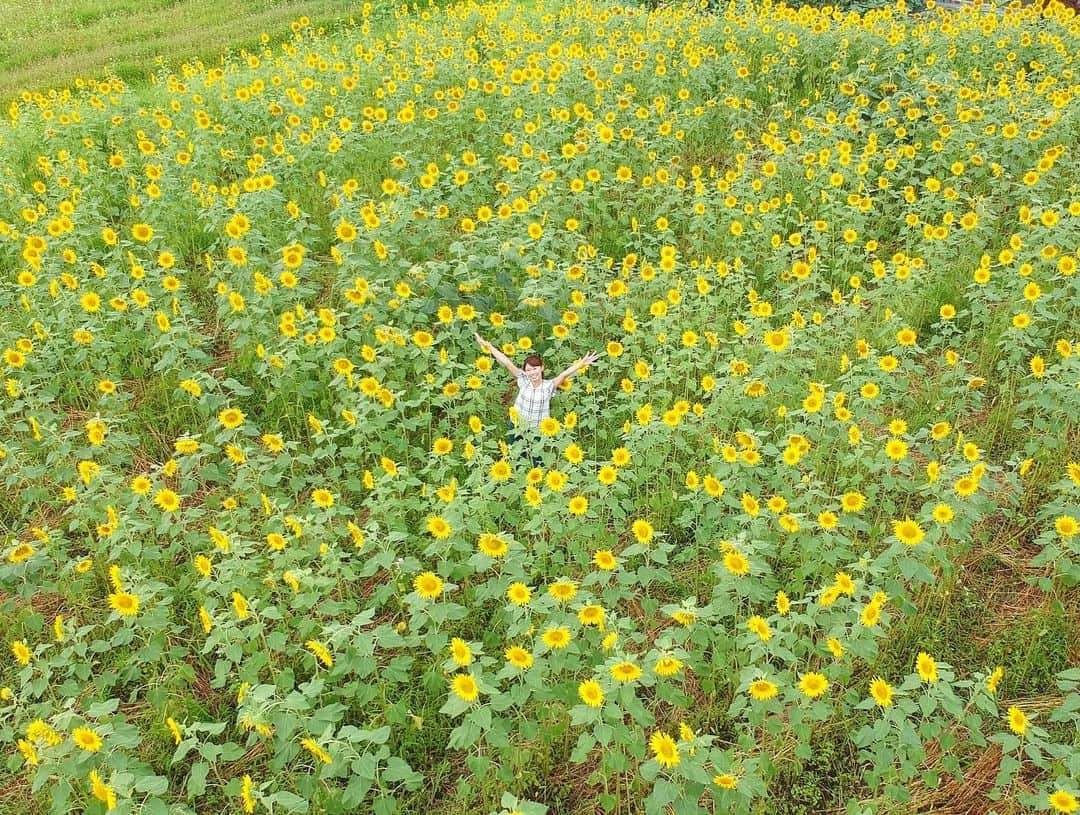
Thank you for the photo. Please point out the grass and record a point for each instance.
(55, 44)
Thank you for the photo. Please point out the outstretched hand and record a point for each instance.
(483, 343)
(590, 358)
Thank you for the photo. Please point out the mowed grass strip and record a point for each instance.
(56, 43)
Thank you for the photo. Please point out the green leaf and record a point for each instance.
(288, 801)
(196, 783)
(152, 784)
(397, 769)
(357, 790)
(897, 793)
(101, 709)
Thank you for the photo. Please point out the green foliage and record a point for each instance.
(268, 547)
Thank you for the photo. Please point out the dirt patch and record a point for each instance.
(650, 626)
(47, 604)
(582, 795)
(961, 796)
(74, 419)
(1072, 610)
(1001, 574)
(204, 692)
(15, 796)
(247, 760)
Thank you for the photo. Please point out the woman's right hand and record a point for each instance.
(483, 343)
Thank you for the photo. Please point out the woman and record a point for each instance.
(533, 401)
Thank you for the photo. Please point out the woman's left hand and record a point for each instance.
(590, 358)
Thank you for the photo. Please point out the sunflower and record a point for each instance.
(562, 590)
(642, 530)
(759, 626)
(1018, 721)
(186, 446)
(518, 657)
(21, 652)
(292, 256)
(828, 520)
(102, 791)
(231, 418)
(870, 614)
(492, 545)
(665, 749)
(167, 500)
(881, 692)
(813, 684)
(926, 667)
(519, 594)
(273, 442)
(668, 666)
(460, 652)
(625, 672)
(994, 679)
(321, 652)
(578, 505)
(736, 563)
(1063, 801)
(556, 637)
(465, 687)
(23, 551)
(591, 693)
(555, 480)
(316, 750)
(852, 502)
(684, 617)
(124, 603)
(240, 605)
(142, 232)
(776, 341)
(908, 531)
(943, 513)
(438, 527)
(762, 690)
(604, 559)
(1067, 526)
(549, 426)
(591, 615)
(86, 739)
(896, 449)
(428, 585)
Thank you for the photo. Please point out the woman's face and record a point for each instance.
(535, 374)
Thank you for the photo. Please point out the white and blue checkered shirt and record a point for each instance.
(533, 404)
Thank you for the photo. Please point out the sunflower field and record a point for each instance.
(805, 538)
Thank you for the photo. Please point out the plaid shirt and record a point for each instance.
(532, 404)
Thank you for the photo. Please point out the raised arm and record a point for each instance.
(503, 359)
(588, 359)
